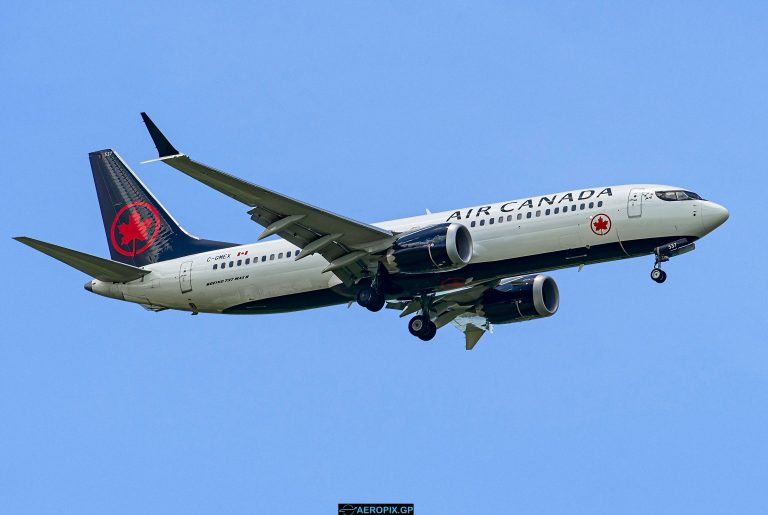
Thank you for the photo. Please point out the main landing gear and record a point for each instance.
(371, 296)
(422, 327)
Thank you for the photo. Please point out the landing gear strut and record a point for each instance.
(657, 274)
(421, 326)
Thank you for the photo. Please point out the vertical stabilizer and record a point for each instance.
(139, 229)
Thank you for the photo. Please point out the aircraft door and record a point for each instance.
(185, 276)
(635, 203)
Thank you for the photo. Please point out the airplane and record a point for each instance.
(471, 267)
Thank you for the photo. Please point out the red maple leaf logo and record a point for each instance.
(600, 224)
(135, 229)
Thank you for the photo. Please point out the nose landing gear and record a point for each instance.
(666, 252)
(657, 274)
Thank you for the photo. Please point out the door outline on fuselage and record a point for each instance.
(635, 203)
(185, 277)
(573, 246)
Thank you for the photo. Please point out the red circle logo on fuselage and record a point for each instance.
(134, 228)
(601, 224)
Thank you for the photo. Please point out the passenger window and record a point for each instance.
(271, 257)
(297, 253)
(538, 212)
(280, 256)
(565, 209)
(247, 261)
(528, 214)
(482, 222)
(490, 222)
(573, 208)
(231, 264)
(239, 262)
(557, 210)
(501, 219)
(215, 266)
(472, 224)
(581, 207)
(509, 218)
(600, 203)
(519, 216)
(288, 254)
(547, 212)
(591, 205)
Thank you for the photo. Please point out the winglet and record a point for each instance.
(164, 147)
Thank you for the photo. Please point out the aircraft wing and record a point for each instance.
(345, 243)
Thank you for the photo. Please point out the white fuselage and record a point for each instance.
(503, 233)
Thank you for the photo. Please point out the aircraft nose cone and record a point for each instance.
(714, 216)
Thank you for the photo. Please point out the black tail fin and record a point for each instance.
(139, 229)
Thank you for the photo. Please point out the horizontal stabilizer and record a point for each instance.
(99, 268)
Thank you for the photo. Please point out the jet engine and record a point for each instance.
(437, 248)
(524, 298)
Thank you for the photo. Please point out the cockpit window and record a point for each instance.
(676, 195)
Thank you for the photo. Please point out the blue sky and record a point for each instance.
(634, 398)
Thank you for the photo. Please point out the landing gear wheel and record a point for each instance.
(422, 328)
(370, 299)
(431, 332)
(419, 326)
(658, 275)
(378, 303)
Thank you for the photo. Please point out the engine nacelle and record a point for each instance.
(526, 298)
(437, 248)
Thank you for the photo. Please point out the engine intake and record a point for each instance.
(437, 248)
(526, 298)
